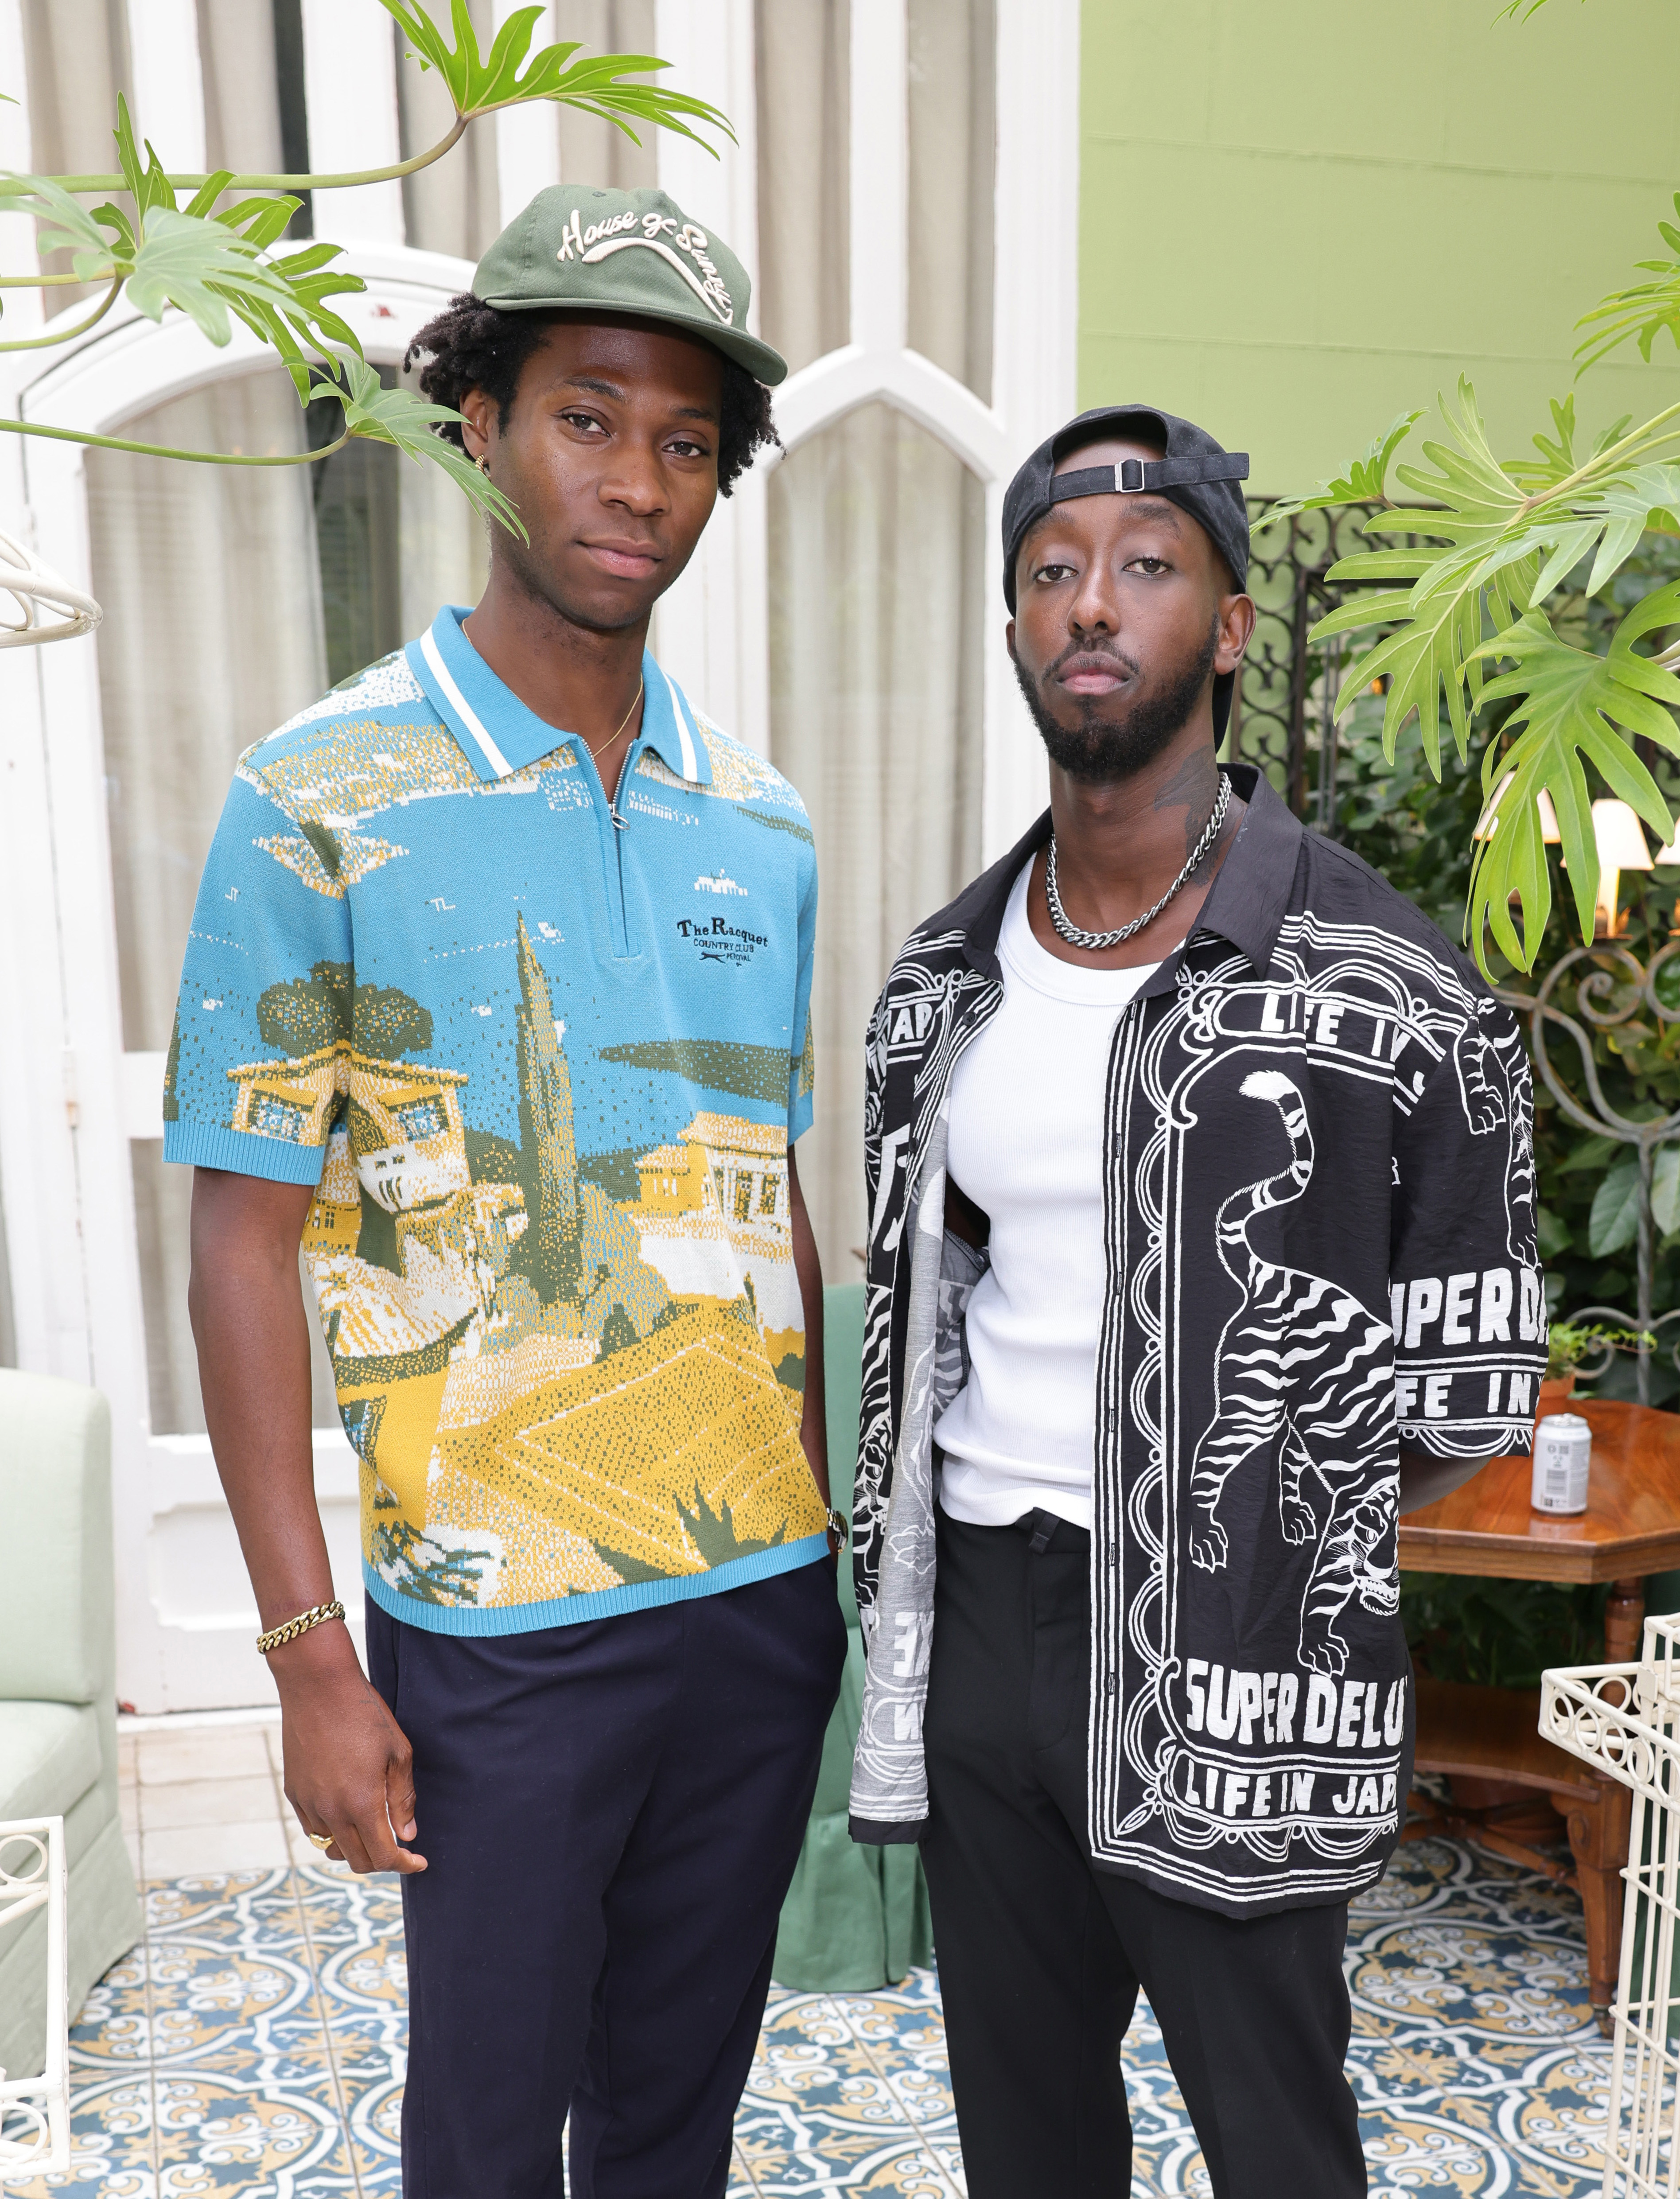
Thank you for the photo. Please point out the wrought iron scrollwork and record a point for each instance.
(1611, 986)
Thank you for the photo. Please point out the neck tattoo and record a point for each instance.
(1092, 942)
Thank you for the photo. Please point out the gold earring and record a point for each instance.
(484, 464)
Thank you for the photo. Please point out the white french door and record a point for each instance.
(93, 1225)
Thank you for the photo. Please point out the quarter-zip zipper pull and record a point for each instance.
(620, 824)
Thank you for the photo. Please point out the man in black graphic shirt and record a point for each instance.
(1201, 1245)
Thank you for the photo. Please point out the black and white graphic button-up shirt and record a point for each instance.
(1319, 1201)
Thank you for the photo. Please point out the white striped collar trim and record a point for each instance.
(690, 767)
(457, 702)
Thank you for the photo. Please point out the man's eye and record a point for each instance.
(1151, 565)
(586, 422)
(685, 446)
(1050, 575)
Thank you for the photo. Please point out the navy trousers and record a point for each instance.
(1041, 1953)
(610, 1814)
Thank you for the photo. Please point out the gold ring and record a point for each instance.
(321, 1840)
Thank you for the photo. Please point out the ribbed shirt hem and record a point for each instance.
(204, 1145)
(604, 1603)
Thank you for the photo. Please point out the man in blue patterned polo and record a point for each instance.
(498, 997)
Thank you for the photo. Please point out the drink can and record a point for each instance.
(1562, 1454)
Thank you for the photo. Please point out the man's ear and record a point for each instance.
(1009, 642)
(1236, 615)
(474, 409)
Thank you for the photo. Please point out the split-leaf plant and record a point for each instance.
(206, 245)
(1466, 635)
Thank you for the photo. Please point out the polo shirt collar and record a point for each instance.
(500, 735)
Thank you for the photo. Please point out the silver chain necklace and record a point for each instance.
(1092, 941)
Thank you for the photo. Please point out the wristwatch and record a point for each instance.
(839, 1526)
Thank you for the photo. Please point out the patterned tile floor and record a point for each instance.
(253, 2044)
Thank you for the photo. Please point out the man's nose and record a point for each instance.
(635, 483)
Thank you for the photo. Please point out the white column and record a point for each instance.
(350, 86)
(710, 631)
(880, 181)
(168, 81)
(528, 140)
(1034, 347)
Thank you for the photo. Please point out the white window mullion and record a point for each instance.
(1035, 345)
(350, 89)
(880, 174)
(168, 81)
(711, 630)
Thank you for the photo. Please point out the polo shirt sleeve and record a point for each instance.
(259, 1061)
(1467, 1295)
(802, 1065)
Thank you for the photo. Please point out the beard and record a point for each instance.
(1116, 737)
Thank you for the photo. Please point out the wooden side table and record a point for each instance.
(1630, 1528)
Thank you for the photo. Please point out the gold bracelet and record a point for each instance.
(277, 1635)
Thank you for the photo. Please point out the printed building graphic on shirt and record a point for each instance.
(531, 1320)
(565, 1371)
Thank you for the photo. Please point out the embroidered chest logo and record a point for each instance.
(715, 939)
(718, 882)
(601, 240)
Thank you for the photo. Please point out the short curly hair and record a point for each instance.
(473, 345)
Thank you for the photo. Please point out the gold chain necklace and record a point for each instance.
(595, 755)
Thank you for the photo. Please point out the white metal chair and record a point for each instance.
(35, 2111)
(1624, 1720)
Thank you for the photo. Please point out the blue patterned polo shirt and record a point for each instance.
(542, 1058)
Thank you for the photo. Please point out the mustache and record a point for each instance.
(1129, 665)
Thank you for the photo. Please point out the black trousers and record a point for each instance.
(1041, 1953)
(610, 1814)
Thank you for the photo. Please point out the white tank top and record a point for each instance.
(1026, 1140)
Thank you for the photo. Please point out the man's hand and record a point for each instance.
(348, 1763)
(349, 1769)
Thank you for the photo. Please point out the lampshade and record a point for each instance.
(1489, 816)
(1489, 819)
(1621, 843)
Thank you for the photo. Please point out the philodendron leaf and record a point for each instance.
(199, 265)
(506, 75)
(1572, 705)
(1666, 1190)
(1614, 1220)
(65, 226)
(1643, 311)
(397, 417)
(1365, 481)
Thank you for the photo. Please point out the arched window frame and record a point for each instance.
(71, 1098)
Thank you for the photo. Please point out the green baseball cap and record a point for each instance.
(579, 247)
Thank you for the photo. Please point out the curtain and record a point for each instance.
(593, 150)
(232, 595)
(213, 637)
(241, 89)
(953, 159)
(452, 206)
(877, 533)
(877, 543)
(75, 57)
(802, 63)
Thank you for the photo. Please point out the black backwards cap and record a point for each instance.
(1196, 474)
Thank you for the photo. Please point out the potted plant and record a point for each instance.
(1569, 1343)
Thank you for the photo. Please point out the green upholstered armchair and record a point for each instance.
(58, 1690)
(856, 1918)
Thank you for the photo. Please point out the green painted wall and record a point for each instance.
(1299, 216)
